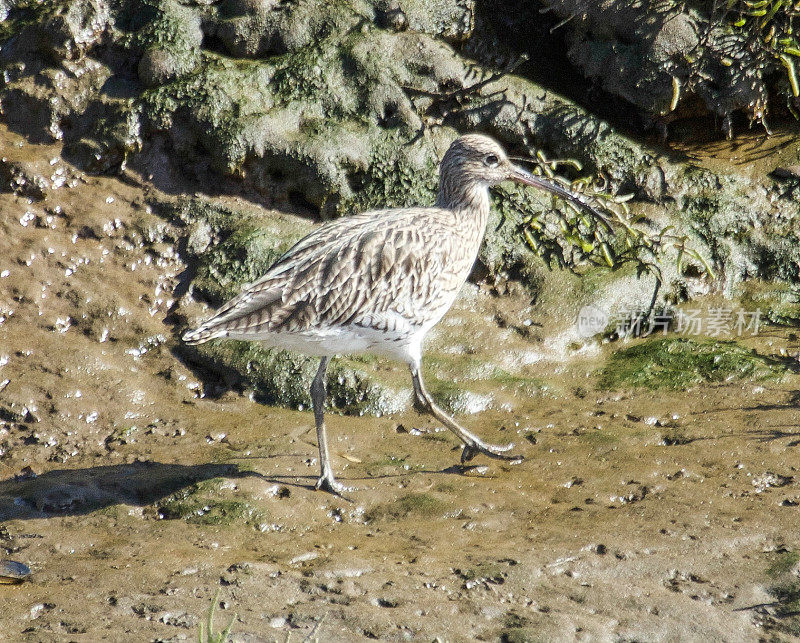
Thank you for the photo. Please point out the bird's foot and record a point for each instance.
(499, 452)
(328, 483)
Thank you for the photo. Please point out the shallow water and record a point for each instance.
(134, 496)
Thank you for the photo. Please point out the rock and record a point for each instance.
(75, 27)
(676, 35)
(199, 238)
(452, 20)
(160, 66)
(390, 15)
(641, 54)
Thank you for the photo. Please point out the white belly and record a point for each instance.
(404, 344)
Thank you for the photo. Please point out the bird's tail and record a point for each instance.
(202, 334)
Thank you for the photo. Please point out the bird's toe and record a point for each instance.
(332, 486)
(468, 452)
(499, 452)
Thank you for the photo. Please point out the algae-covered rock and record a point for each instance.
(228, 248)
(750, 230)
(327, 105)
(158, 66)
(676, 363)
(250, 28)
(282, 378)
(452, 20)
(336, 107)
(669, 59)
(779, 302)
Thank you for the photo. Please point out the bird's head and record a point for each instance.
(475, 161)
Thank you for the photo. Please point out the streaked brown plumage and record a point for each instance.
(377, 282)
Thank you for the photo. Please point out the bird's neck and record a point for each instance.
(469, 200)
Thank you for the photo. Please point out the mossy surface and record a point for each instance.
(776, 302)
(328, 104)
(229, 248)
(201, 504)
(244, 253)
(454, 398)
(784, 587)
(783, 564)
(675, 363)
(420, 505)
(327, 118)
(282, 378)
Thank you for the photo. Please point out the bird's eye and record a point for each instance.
(491, 160)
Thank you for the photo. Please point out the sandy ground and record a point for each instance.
(135, 498)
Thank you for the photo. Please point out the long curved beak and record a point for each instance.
(523, 176)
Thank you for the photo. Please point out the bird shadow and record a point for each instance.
(77, 492)
(792, 403)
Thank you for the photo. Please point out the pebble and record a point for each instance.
(302, 558)
(480, 470)
(36, 611)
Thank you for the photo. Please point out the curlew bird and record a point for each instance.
(377, 282)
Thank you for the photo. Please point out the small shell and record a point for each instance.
(12, 572)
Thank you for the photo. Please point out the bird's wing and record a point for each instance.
(348, 271)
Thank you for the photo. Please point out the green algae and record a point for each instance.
(244, 256)
(675, 363)
(229, 247)
(160, 23)
(394, 177)
(210, 511)
(783, 564)
(785, 590)
(422, 505)
(200, 504)
(454, 398)
(283, 378)
(777, 302)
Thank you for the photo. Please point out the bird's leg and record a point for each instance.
(473, 445)
(326, 480)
